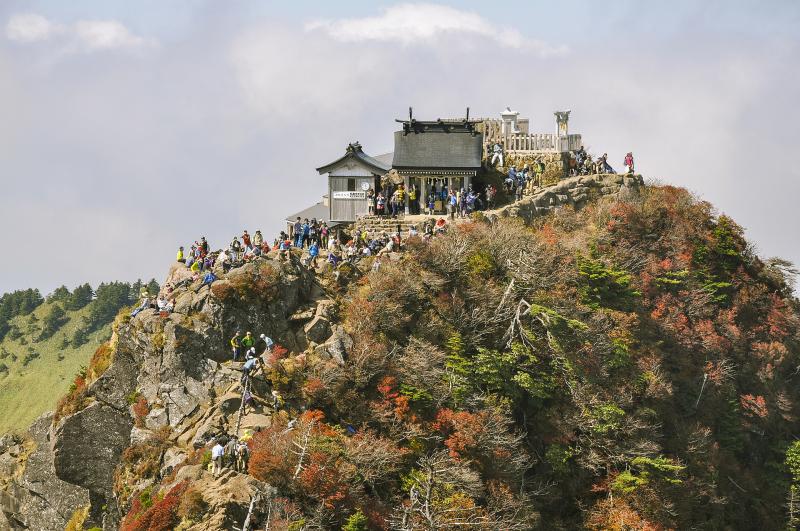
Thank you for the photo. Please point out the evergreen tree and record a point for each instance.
(60, 294)
(52, 321)
(81, 296)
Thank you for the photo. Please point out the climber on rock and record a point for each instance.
(268, 342)
(248, 341)
(217, 454)
(249, 368)
(236, 345)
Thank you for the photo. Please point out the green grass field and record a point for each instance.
(27, 391)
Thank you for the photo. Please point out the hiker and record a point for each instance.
(258, 239)
(376, 265)
(324, 232)
(380, 205)
(236, 345)
(297, 232)
(268, 342)
(203, 246)
(236, 248)
(229, 459)
(248, 340)
(242, 456)
(313, 252)
(250, 367)
(246, 239)
(181, 258)
(207, 280)
(604, 165)
(629, 163)
(497, 154)
(143, 306)
(491, 192)
(413, 204)
(539, 171)
(217, 453)
(283, 248)
(250, 354)
(277, 400)
(306, 229)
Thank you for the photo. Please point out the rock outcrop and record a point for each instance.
(574, 192)
(34, 498)
(173, 364)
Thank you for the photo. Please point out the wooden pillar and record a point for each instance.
(405, 196)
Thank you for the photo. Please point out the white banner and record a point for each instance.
(349, 195)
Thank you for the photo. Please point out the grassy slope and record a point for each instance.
(28, 391)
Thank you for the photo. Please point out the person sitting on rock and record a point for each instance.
(258, 239)
(143, 306)
(208, 279)
(246, 239)
(236, 345)
(181, 258)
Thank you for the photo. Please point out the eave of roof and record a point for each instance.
(373, 164)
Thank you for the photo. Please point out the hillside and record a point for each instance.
(630, 364)
(43, 347)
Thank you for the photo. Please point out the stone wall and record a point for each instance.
(575, 192)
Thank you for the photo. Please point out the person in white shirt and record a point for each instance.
(216, 457)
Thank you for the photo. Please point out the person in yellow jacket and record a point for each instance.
(181, 258)
(236, 345)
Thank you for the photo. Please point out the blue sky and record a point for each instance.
(133, 127)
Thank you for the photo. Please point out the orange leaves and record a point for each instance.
(140, 411)
(388, 388)
(321, 478)
(755, 406)
(162, 516)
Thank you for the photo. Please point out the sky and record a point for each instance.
(130, 128)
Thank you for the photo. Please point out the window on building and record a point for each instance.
(351, 185)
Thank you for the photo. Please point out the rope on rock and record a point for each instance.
(245, 391)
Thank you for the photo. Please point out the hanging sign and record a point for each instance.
(349, 195)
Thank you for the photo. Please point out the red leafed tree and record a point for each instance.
(754, 405)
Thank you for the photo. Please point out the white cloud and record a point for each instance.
(83, 35)
(107, 34)
(411, 24)
(30, 27)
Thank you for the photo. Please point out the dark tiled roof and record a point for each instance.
(385, 158)
(437, 149)
(354, 152)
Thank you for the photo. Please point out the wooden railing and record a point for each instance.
(527, 143)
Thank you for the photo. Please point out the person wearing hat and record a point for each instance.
(248, 340)
(236, 345)
(268, 342)
(203, 246)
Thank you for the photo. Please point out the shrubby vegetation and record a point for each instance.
(629, 366)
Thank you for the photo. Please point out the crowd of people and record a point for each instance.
(581, 163)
